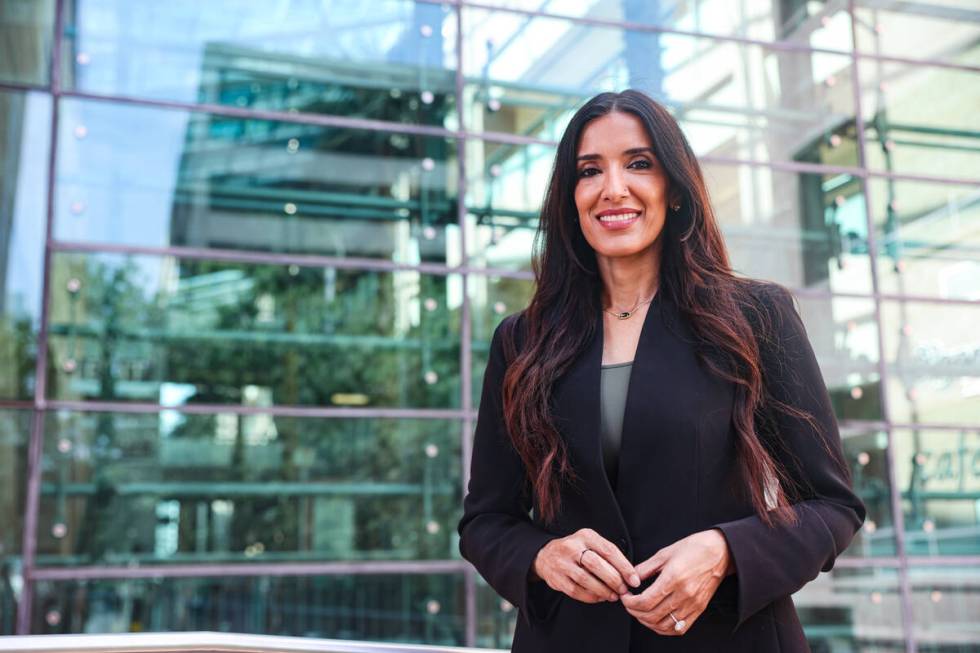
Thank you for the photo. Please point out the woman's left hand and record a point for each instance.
(690, 571)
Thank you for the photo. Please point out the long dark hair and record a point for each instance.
(695, 274)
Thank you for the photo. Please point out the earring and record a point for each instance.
(675, 207)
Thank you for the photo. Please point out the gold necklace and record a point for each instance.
(628, 314)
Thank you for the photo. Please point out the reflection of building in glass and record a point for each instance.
(311, 189)
(281, 238)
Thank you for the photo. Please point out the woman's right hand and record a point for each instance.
(586, 567)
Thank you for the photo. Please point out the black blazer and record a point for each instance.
(677, 476)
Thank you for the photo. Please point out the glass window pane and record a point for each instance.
(844, 335)
(918, 119)
(932, 353)
(801, 230)
(732, 99)
(15, 435)
(496, 618)
(386, 60)
(492, 299)
(203, 180)
(946, 602)
(397, 608)
(175, 487)
(811, 23)
(928, 238)
(865, 452)
(939, 473)
(920, 29)
(505, 184)
(852, 610)
(26, 29)
(175, 331)
(25, 140)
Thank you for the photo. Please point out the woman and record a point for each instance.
(656, 465)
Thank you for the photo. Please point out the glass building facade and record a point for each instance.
(252, 253)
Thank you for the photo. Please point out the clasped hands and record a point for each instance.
(591, 569)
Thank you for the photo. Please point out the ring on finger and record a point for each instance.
(581, 555)
(679, 624)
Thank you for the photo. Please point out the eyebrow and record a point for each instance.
(632, 150)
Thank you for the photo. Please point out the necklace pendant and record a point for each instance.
(623, 315)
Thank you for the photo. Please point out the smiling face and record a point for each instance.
(622, 190)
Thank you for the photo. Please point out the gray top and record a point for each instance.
(613, 384)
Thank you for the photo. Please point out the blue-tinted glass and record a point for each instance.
(386, 60)
(179, 331)
(15, 435)
(25, 127)
(26, 28)
(733, 99)
(388, 607)
(174, 487)
(206, 181)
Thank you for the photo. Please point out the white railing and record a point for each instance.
(205, 642)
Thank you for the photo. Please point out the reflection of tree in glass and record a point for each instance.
(258, 335)
(18, 351)
(97, 329)
(307, 335)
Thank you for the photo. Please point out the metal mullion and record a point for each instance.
(367, 567)
(803, 291)
(932, 63)
(904, 426)
(888, 562)
(29, 536)
(926, 299)
(850, 427)
(22, 87)
(16, 404)
(255, 257)
(316, 119)
(898, 517)
(36, 446)
(943, 561)
(384, 265)
(331, 412)
(270, 258)
(819, 168)
(466, 326)
(494, 137)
